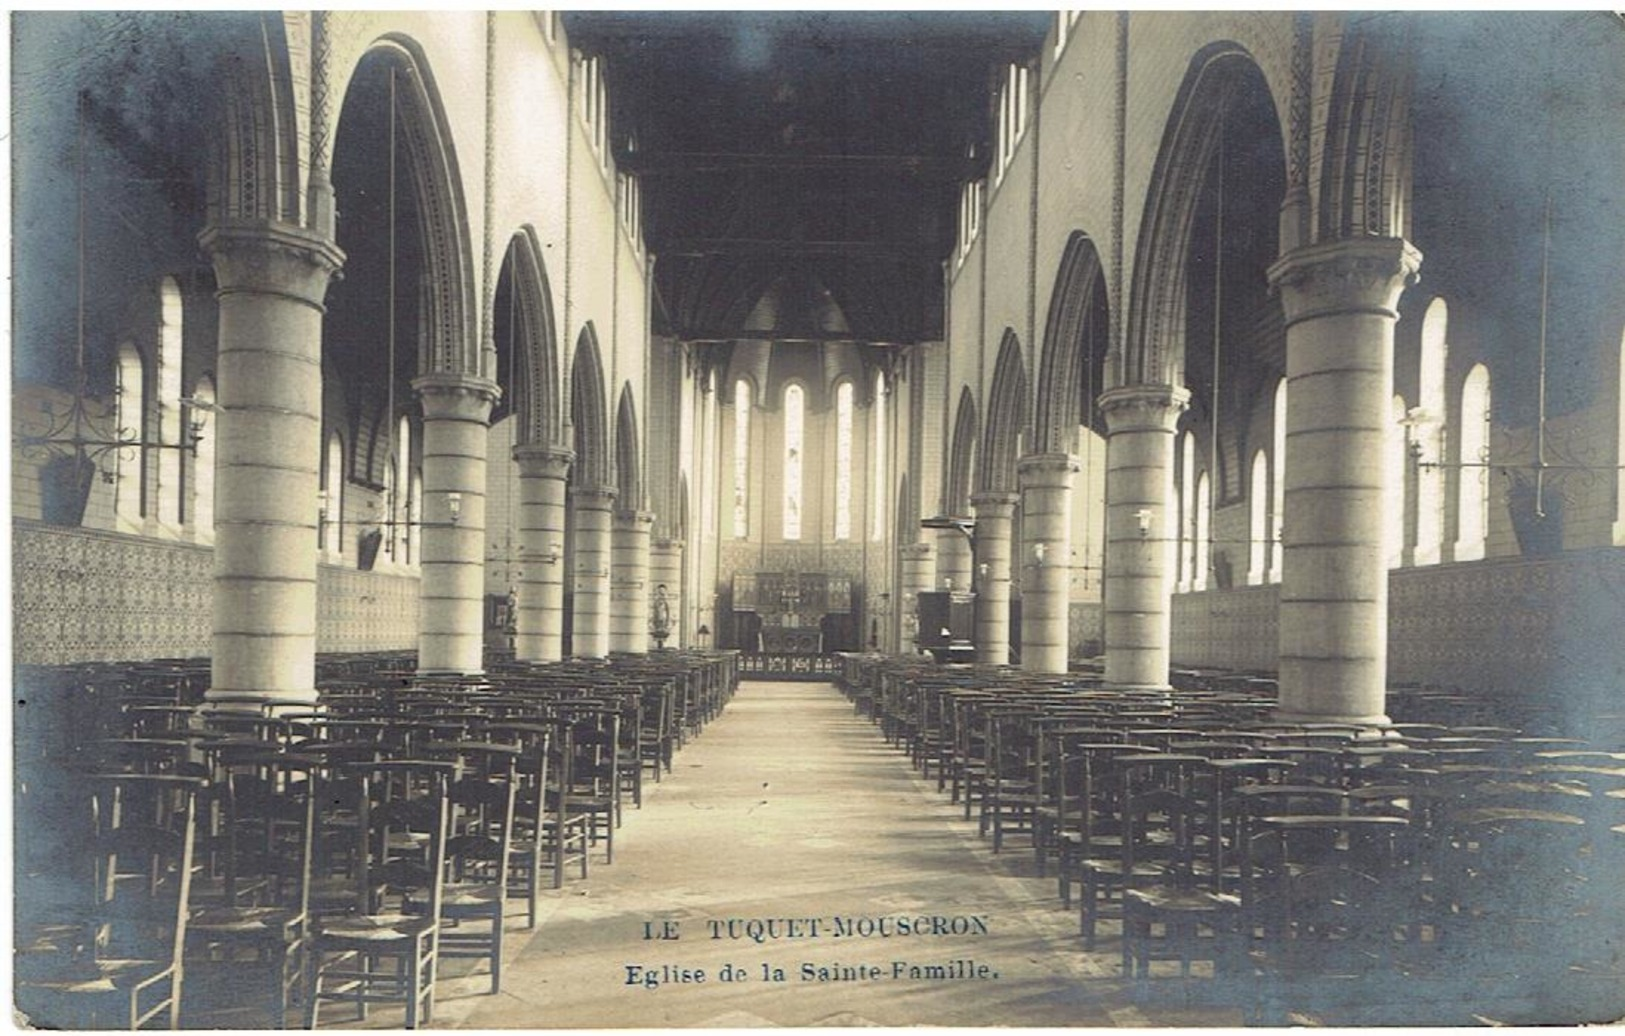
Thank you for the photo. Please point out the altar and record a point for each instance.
(790, 613)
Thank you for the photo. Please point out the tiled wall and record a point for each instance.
(1544, 625)
(79, 595)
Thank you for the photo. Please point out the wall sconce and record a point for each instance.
(1142, 518)
(454, 505)
(981, 570)
(550, 553)
(1039, 550)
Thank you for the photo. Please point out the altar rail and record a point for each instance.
(774, 665)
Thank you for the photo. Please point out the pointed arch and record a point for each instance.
(1365, 179)
(1076, 340)
(1007, 416)
(255, 165)
(962, 456)
(526, 336)
(628, 468)
(589, 409)
(1218, 75)
(449, 342)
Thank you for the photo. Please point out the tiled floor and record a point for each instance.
(791, 807)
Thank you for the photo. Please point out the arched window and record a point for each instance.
(131, 417)
(1473, 485)
(1428, 430)
(397, 498)
(1277, 481)
(1204, 508)
(414, 512)
(202, 481)
(1187, 511)
(1394, 477)
(1619, 457)
(330, 531)
(843, 461)
(1258, 520)
(794, 427)
(877, 459)
(169, 401)
(741, 459)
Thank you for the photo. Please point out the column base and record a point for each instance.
(252, 702)
(1284, 716)
(1161, 688)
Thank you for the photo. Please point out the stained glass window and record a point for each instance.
(843, 461)
(794, 418)
(741, 459)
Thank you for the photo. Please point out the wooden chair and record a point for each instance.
(395, 910)
(253, 912)
(116, 961)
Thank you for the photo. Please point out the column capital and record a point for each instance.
(456, 397)
(1047, 469)
(921, 551)
(270, 258)
(995, 504)
(634, 518)
(537, 460)
(1144, 408)
(1356, 275)
(593, 498)
(671, 545)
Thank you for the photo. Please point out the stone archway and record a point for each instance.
(592, 502)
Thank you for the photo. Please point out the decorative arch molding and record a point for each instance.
(589, 409)
(1154, 347)
(254, 168)
(962, 456)
(537, 404)
(1007, 416)
(1076, 338)
(628, 469)
(449, 343)
(1365, 169)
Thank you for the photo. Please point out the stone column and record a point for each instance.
(629, 587)
(594, 507)
(268, 388)
(1046, 524)
(1341, 300)
(666, 569)
(1140, 423)
(953, 561)
(456, 437)
(540, 629)
(918, 576)
(993, 515)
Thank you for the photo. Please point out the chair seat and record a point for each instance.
(463, 895)
(101, 976)
(369, 929)
(1183, 900)
(1114, 868)
(217, 922)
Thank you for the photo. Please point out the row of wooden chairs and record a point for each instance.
(1278, 855)
(334, 855)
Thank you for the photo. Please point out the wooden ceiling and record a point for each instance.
(817, 153)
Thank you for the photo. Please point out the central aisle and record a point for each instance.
(790, 806)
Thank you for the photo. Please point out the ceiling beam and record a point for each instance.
(803, 336)
(682, 163)
(880, 251)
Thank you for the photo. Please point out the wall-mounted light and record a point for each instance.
(1142, 518)
(551, 552)
(454, 505)
(1039, 550)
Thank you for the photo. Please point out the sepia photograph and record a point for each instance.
(642, 519)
